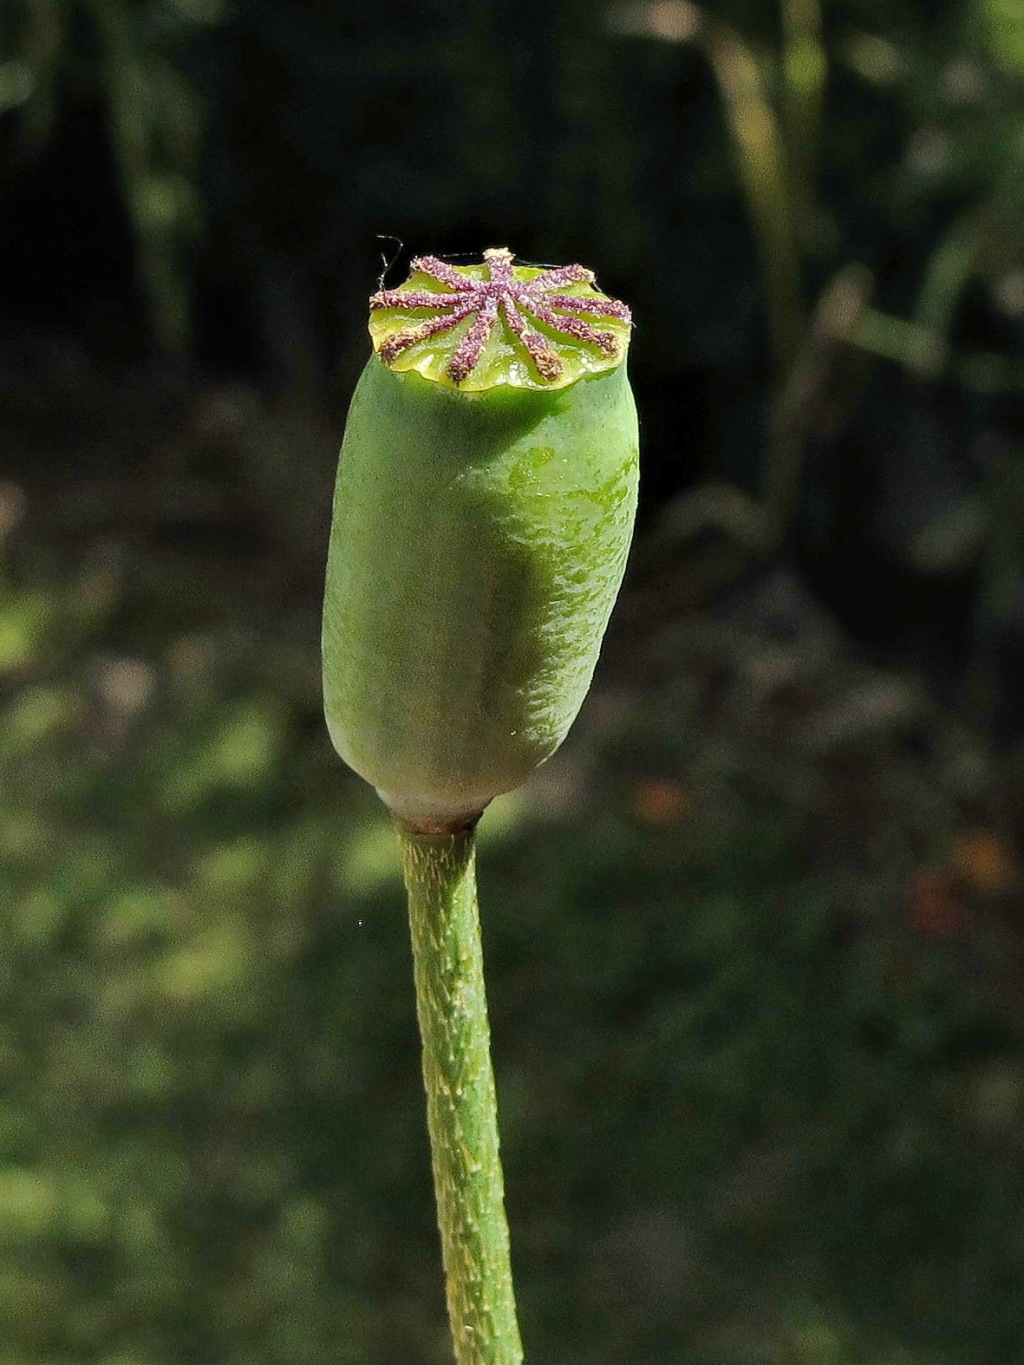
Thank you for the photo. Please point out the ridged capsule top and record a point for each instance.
(476, 327)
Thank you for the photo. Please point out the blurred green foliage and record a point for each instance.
(123, 53)
(304, 129)
(754, 939)
(785, 193)
(754, 1111)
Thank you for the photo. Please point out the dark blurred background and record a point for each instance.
(755, 937)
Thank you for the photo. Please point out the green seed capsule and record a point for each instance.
(482, 516)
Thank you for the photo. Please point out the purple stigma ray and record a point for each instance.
(442, 272)
(393, 347)
(549, 366)
(577, 328)
(564, 274)
(413, 298)
(499, 262)
(602, 308)
(467, 356)
(521, 301)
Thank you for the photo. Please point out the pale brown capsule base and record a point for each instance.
(413, 825)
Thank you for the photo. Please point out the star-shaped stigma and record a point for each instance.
(540, 299)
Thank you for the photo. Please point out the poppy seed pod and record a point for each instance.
(483, 512)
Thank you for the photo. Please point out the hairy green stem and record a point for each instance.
(440, 877)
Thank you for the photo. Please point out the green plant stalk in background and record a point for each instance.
(482, 516)
(763, 167)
